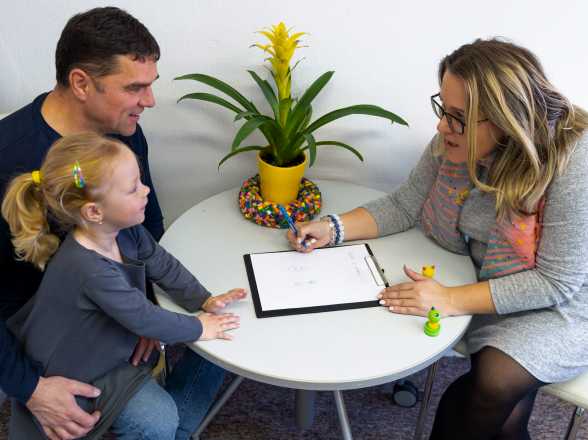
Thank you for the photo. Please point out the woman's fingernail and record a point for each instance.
(379, 296)
(382, 302)
(391, 308)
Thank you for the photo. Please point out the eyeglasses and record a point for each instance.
(455, 124)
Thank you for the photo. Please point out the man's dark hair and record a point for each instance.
(91, 41)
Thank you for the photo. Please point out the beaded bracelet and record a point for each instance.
(337, 230)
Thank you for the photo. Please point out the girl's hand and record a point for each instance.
(417, 297)
(311, 235)
(215, 326)
(215, 304)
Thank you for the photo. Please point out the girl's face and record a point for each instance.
(123, 204)
(453, 97)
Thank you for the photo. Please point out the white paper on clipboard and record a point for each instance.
(324, 277)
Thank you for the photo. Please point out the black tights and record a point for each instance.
(492, 401)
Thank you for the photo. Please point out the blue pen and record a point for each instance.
(290, 222)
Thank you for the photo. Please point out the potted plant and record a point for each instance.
(289, 129)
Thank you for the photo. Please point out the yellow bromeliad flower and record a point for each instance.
(281, 48)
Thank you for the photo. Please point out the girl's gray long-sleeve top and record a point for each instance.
(542, 313)
(89, 311)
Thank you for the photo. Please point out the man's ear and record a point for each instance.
(80, 83)
(92, 213)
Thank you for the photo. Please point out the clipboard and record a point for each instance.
(328, 279)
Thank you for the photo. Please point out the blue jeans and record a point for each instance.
(176, 411)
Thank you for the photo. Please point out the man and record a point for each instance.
(106, 62)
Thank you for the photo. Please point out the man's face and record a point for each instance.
(115, 101)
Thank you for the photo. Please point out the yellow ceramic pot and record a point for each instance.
(280, 184)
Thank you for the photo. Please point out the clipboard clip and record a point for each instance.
(376, 271)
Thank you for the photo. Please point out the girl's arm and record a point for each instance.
(169, 274)
(109, 290)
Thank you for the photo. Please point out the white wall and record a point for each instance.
(383, 52)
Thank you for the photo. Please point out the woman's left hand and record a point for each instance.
(217, 303)
(417, 297)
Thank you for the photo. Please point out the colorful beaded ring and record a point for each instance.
(254, 208)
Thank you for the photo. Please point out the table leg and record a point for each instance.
(305, 400)
(574, 426)
(418, 433)
(343, 420)
(218, 404)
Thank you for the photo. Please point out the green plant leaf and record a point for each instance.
(340, 144)
(240, 150)
(292, 148)
(268, 92)
(297, 114)
(311, 146)
(246, 115)
(249, 127)
(212, 98)
(361, 109)
(220, 85)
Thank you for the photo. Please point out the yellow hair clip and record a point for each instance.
(36, 176)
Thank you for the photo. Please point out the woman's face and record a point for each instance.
(453, 98)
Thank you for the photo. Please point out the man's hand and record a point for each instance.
(143, 350)
(53, 404)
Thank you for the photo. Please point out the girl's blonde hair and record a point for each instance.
(507, 84)
(27, 204)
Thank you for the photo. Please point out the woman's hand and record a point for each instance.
(216, 326)
(417, 297)
(215, 304)
(311, 235)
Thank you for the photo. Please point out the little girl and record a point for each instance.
(91, 308)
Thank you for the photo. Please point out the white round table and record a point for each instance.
(335, 351)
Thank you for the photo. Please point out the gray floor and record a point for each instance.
(258, 411)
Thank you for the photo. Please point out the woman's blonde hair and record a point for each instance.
(507, 84)
(27, 204)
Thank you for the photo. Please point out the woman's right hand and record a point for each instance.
(311, 235)
(216, 326)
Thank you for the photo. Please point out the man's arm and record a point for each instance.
(51, 400)
(19, 375)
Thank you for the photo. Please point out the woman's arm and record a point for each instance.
(561, 261)
(392, 213)
(417, 296)
(562, 255)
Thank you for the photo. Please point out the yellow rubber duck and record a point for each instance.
(428, 271)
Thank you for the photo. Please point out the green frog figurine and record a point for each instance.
(433, 326)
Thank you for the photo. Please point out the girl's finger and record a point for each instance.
(223, 335)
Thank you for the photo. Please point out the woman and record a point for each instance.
(504, 181)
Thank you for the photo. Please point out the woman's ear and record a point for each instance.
(91, 213)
